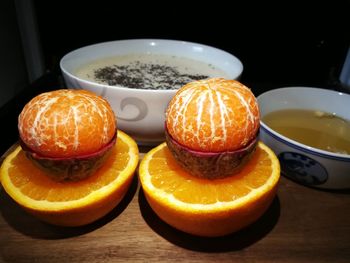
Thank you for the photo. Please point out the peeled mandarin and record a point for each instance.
(66, 123)
(68, 133)
(213, 115)
(212, 127)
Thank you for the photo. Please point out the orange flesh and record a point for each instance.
(35, 184)
(170, 177)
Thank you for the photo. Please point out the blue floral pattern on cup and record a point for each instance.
(302, 168)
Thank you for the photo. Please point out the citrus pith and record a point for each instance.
(71, 203)
(207, 207)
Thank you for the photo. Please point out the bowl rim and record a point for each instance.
(295, 144)
(146, 40)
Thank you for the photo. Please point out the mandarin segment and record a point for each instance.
(213, 115)
(66, 123)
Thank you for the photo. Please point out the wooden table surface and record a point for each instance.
(302, 225)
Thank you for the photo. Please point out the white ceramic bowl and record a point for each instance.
(304, 164)
(140, 112)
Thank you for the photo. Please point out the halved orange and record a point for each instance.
(207, 207)
(71, 203)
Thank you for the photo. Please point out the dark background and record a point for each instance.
(285, 44)
(279, 45)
